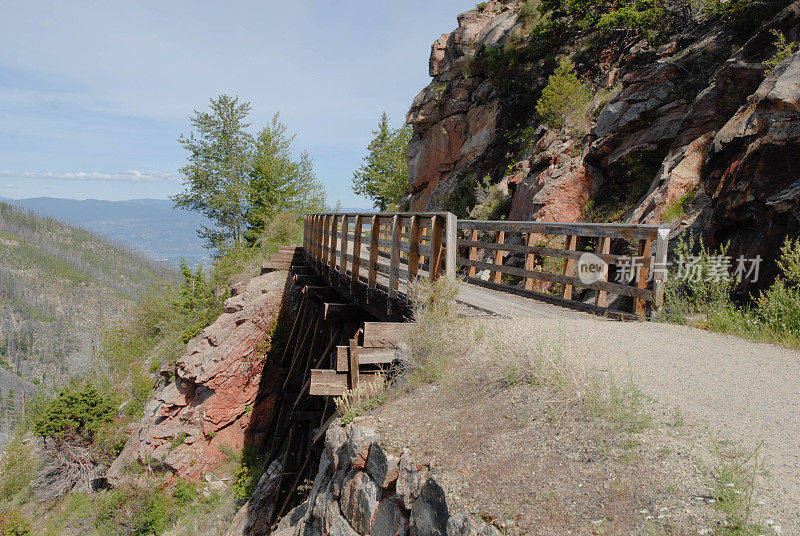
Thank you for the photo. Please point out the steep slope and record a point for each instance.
(151, 226)
(684, 116)
(58, 286)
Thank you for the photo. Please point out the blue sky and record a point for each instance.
(93, 95)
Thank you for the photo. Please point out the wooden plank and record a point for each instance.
(366, 356)
(326, 382)
(642, 275)
(334, 247)
(376, 356)
(548, 251)
(605, 230)
(530, 261)
(603, 247)
(473, 252)
(356, 259)
(343, 244)
(436, 248)
(557, 278)
(451, 245)
(326, 258)
(569, 266)
(342, 358)
(496, 275)
(373, 253)
(660, 267)
(394, 263)
(352, 369)
(384, 334)
(413, 254)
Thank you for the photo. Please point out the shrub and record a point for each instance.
(677, 209)
(138, 511)
(779, 306)
(14, 524)
(565, 99)
(78, 409)
(184, 492)
(783, 49)
(697, 284)
(359, 400)
(432, 338)
(16, 467)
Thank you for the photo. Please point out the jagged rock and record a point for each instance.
(335, 446)
(217, 382)
(460, 524)
(254, 517)
(359, 441)
(391, 518)
(429, 514)
(752, 167)
(410, 480)
(359, 500)
(382, 467)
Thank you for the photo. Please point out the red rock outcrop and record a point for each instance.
(455, 118)
(693, 116)
(220, 396)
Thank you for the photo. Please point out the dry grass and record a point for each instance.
(528, 437)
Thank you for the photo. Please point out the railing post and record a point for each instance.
(413, 250)
(660, 267)
(603, 247)
(326, 239)
(497, 276)
(451, 245)
(642, 275)
(394, 257)
(435, 262)
(473, 253)
(569, 266)
(357, 248)
(372, 279)
(530, 261)
(343, 256)
(334, 238)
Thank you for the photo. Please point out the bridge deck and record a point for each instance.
(479, 301)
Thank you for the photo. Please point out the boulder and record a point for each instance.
(382, 467)
(359, 500)
(430, 514)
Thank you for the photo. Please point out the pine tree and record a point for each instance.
(383, 177)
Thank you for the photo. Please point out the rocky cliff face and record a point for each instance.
(361, 489)
(691, 112)
(219, 395)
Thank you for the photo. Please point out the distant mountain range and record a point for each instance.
(151, 226)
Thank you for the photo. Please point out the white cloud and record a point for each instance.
(132, 175)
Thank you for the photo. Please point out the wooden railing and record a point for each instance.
(552, 251)
(385, 250)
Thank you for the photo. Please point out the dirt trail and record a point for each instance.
(742, 390)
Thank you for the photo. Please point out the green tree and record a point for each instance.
(383, 177)
(217, 176)
(565, 99)
(78, 409)
(279, 183)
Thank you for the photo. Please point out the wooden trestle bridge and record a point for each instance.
(353, 273)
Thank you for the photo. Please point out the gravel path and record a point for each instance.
(742, 390)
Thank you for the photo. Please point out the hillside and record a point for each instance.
(151, 226)
(58, 286)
